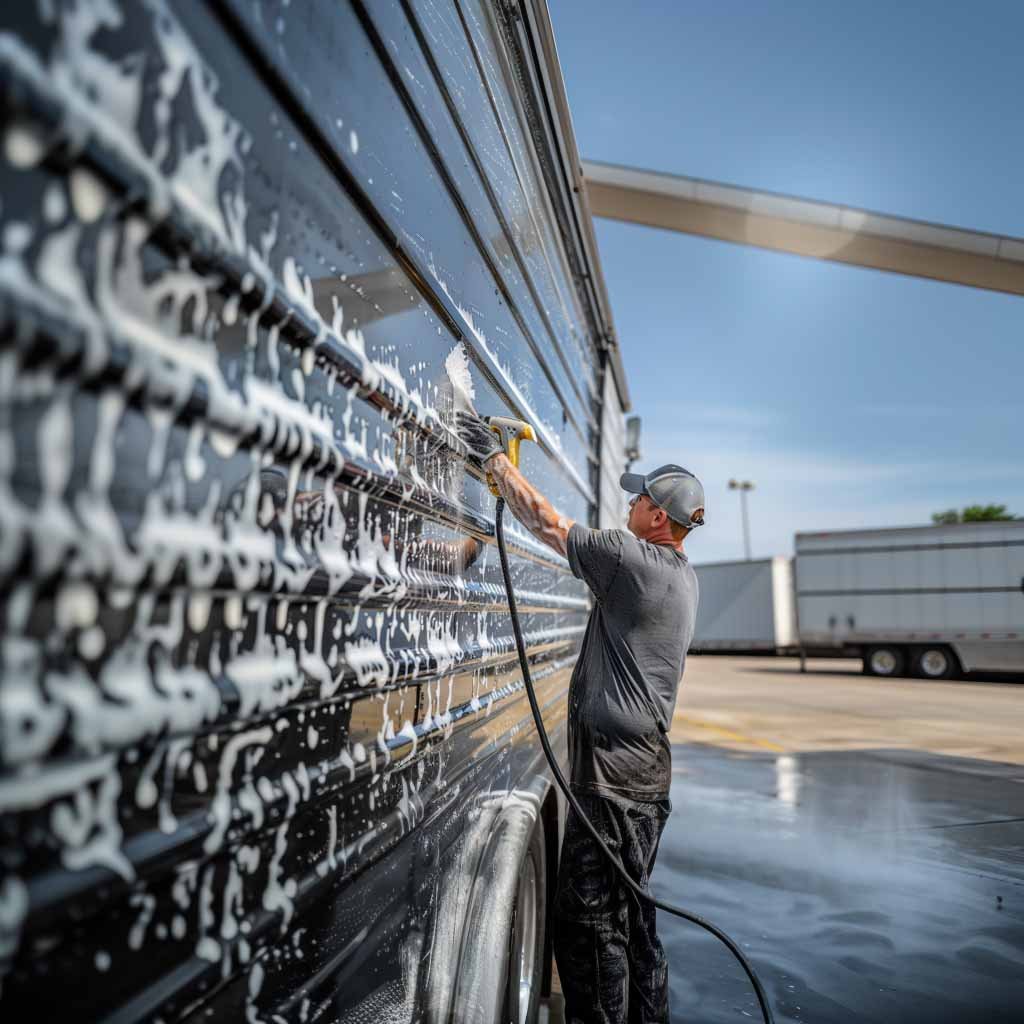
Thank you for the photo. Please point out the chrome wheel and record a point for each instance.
(525, 940)
(935, 663)
(884, 662)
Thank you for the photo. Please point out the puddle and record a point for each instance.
(874, 886)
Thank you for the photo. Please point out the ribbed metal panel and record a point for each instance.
(259, 701)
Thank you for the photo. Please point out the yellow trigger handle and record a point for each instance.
(510, 432)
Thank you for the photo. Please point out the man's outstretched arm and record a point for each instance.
(528, 505)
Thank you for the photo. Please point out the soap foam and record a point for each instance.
(457, 367)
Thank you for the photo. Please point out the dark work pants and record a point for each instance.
(610, 960)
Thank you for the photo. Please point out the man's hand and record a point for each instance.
(482, 442)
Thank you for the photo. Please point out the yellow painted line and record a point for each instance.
(737, 737)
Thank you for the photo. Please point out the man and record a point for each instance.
(621, 700)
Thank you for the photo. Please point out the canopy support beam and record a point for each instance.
(805, 227)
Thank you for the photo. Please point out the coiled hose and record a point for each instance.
(637, 891)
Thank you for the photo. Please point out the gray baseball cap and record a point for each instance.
(672, 488)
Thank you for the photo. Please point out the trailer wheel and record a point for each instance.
(934, 663)
(526, 935)
(884, 661)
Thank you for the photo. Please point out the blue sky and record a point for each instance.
(851, 397)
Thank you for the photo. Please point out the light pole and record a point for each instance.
(743, 486)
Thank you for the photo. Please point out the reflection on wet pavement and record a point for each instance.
(883, 886)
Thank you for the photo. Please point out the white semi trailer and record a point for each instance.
(929, 601)
(746, 606)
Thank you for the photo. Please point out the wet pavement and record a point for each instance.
(882, 886)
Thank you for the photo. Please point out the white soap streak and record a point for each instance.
(172, 701)
(56, 267)
(442, 642)
(233, 612)
(55, 204)
(330, 861)
(251, 803)
(107, 543)
(199, 606)
(178, 752)
(279, 893)
(184, 885)
(252, 992)
(146, 792)
(408, 732)
(220, 807)
(207, 948)
(13, 911)
(160, 421)
(229, 313)
(298, 287)
(346, 761)
(51, 518)
(24, 144)
(393, 375)
(313, 664)
(194, 464)
(368, 661)
(147, 905)
(10, 538)
(267, 677)
(304, 782)
(29, 723)
(376, 558)
(233, 903)
(77, 606)
(84, 814)
(456, 366)
(196, 177)
(88, 828)
(89, 195)
(329, 541)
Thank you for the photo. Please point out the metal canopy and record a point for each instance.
(805, 227)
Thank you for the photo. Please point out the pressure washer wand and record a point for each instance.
(507, 429)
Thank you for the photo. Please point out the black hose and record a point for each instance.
(538, 719)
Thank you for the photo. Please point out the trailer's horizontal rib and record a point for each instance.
(805, 227)
(906, 591)
(891, 548)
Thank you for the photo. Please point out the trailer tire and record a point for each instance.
(936, 662)
(496, 962)
(884, 660)
(526, 938)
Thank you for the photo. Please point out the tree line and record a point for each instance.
(973, 514)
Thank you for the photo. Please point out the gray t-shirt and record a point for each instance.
(623, 689)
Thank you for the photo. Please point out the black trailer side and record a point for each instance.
(264, 749)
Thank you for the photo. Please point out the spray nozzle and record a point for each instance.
(510, 432)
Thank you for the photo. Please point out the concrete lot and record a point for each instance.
(750, 703)
(862, 839)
